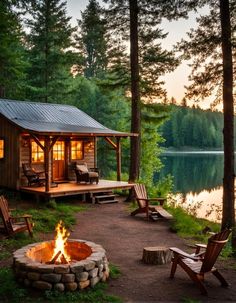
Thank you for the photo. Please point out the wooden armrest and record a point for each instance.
(161, 200)
(200, 245)
(181, 253)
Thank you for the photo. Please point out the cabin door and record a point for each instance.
(59, 161)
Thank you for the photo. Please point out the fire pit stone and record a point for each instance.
(88, 266)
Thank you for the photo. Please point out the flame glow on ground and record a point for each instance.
(60, 240)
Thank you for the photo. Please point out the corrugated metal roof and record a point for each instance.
(52, 118)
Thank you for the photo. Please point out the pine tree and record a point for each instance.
(91, 41)
(212, 48)
(48, 41)
(12, 55)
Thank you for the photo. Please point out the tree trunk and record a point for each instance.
(228, 215)
(135, 115)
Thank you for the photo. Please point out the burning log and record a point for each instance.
(54, 259)
(63, 259)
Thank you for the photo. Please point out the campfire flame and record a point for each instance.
(59, 255)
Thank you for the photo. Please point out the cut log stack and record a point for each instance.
(156, 255)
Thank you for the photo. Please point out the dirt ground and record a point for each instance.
(124, 238)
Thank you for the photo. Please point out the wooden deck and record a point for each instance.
(72, 188)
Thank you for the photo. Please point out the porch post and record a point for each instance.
(46, 161)
(118, 158)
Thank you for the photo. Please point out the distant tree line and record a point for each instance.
(193, 127)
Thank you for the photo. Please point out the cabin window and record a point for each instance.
(77, 150)
(37, 154)
(1, 148)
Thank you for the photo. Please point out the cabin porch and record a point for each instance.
(72, 188)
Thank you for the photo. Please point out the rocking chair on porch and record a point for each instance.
(85, 174)
(34, 177)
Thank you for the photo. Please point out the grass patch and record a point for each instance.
(95, 295)
(114, 271)
(46, 218)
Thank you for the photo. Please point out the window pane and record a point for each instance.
(77, 150)
(1, 148)
(37, 153)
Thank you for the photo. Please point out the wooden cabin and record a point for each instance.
(51, 137)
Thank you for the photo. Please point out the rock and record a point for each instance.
(94, 281)
(93, 272)
(84, 284)
(100, 274)
(46, 268)
(59, 287)
(71, 286)
(83, 276)
(68, 278)
(77, 268)
(62, 269)
(89, 265)
(53, 278)
(100, 267)
(42, 285)
(34, 276)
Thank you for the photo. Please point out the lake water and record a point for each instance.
(198, 179)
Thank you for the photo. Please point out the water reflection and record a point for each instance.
(198, 182)
(193, 172)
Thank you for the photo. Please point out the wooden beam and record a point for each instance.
(118, 158)
(54, 140)
(46, 163)
(114, 146)
(36, 139)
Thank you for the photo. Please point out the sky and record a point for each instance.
(177, 30)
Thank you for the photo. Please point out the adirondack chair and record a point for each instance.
(200, 263)
(33, 177)
(13, 225)
(145, 207)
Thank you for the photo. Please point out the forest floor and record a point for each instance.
(124, 238)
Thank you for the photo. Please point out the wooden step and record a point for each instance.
(104, 196)
(107, 201)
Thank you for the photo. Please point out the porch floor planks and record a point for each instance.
(72, 188)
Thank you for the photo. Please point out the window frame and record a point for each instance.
(76, 150)
(3, 149)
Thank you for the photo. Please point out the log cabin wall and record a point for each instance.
(89, 157)
(9, 165)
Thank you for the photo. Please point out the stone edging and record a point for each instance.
(75, 276)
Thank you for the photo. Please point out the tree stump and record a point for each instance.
(156, 255)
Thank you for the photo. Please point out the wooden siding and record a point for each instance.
(9, 165)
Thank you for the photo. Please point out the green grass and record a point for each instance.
(114, 271)
(46, 218)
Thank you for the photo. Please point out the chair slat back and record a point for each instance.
(214, 247)
(140, 192)
(4, 211)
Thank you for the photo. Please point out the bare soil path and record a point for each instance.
(124, 238)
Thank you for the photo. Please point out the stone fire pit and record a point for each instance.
(87, 267)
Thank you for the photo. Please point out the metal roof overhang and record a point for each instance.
(58, 129)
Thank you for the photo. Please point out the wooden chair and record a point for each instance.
(200, 263)
(85, 174)
(145, 207)
(13, 225)
(33, 177)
